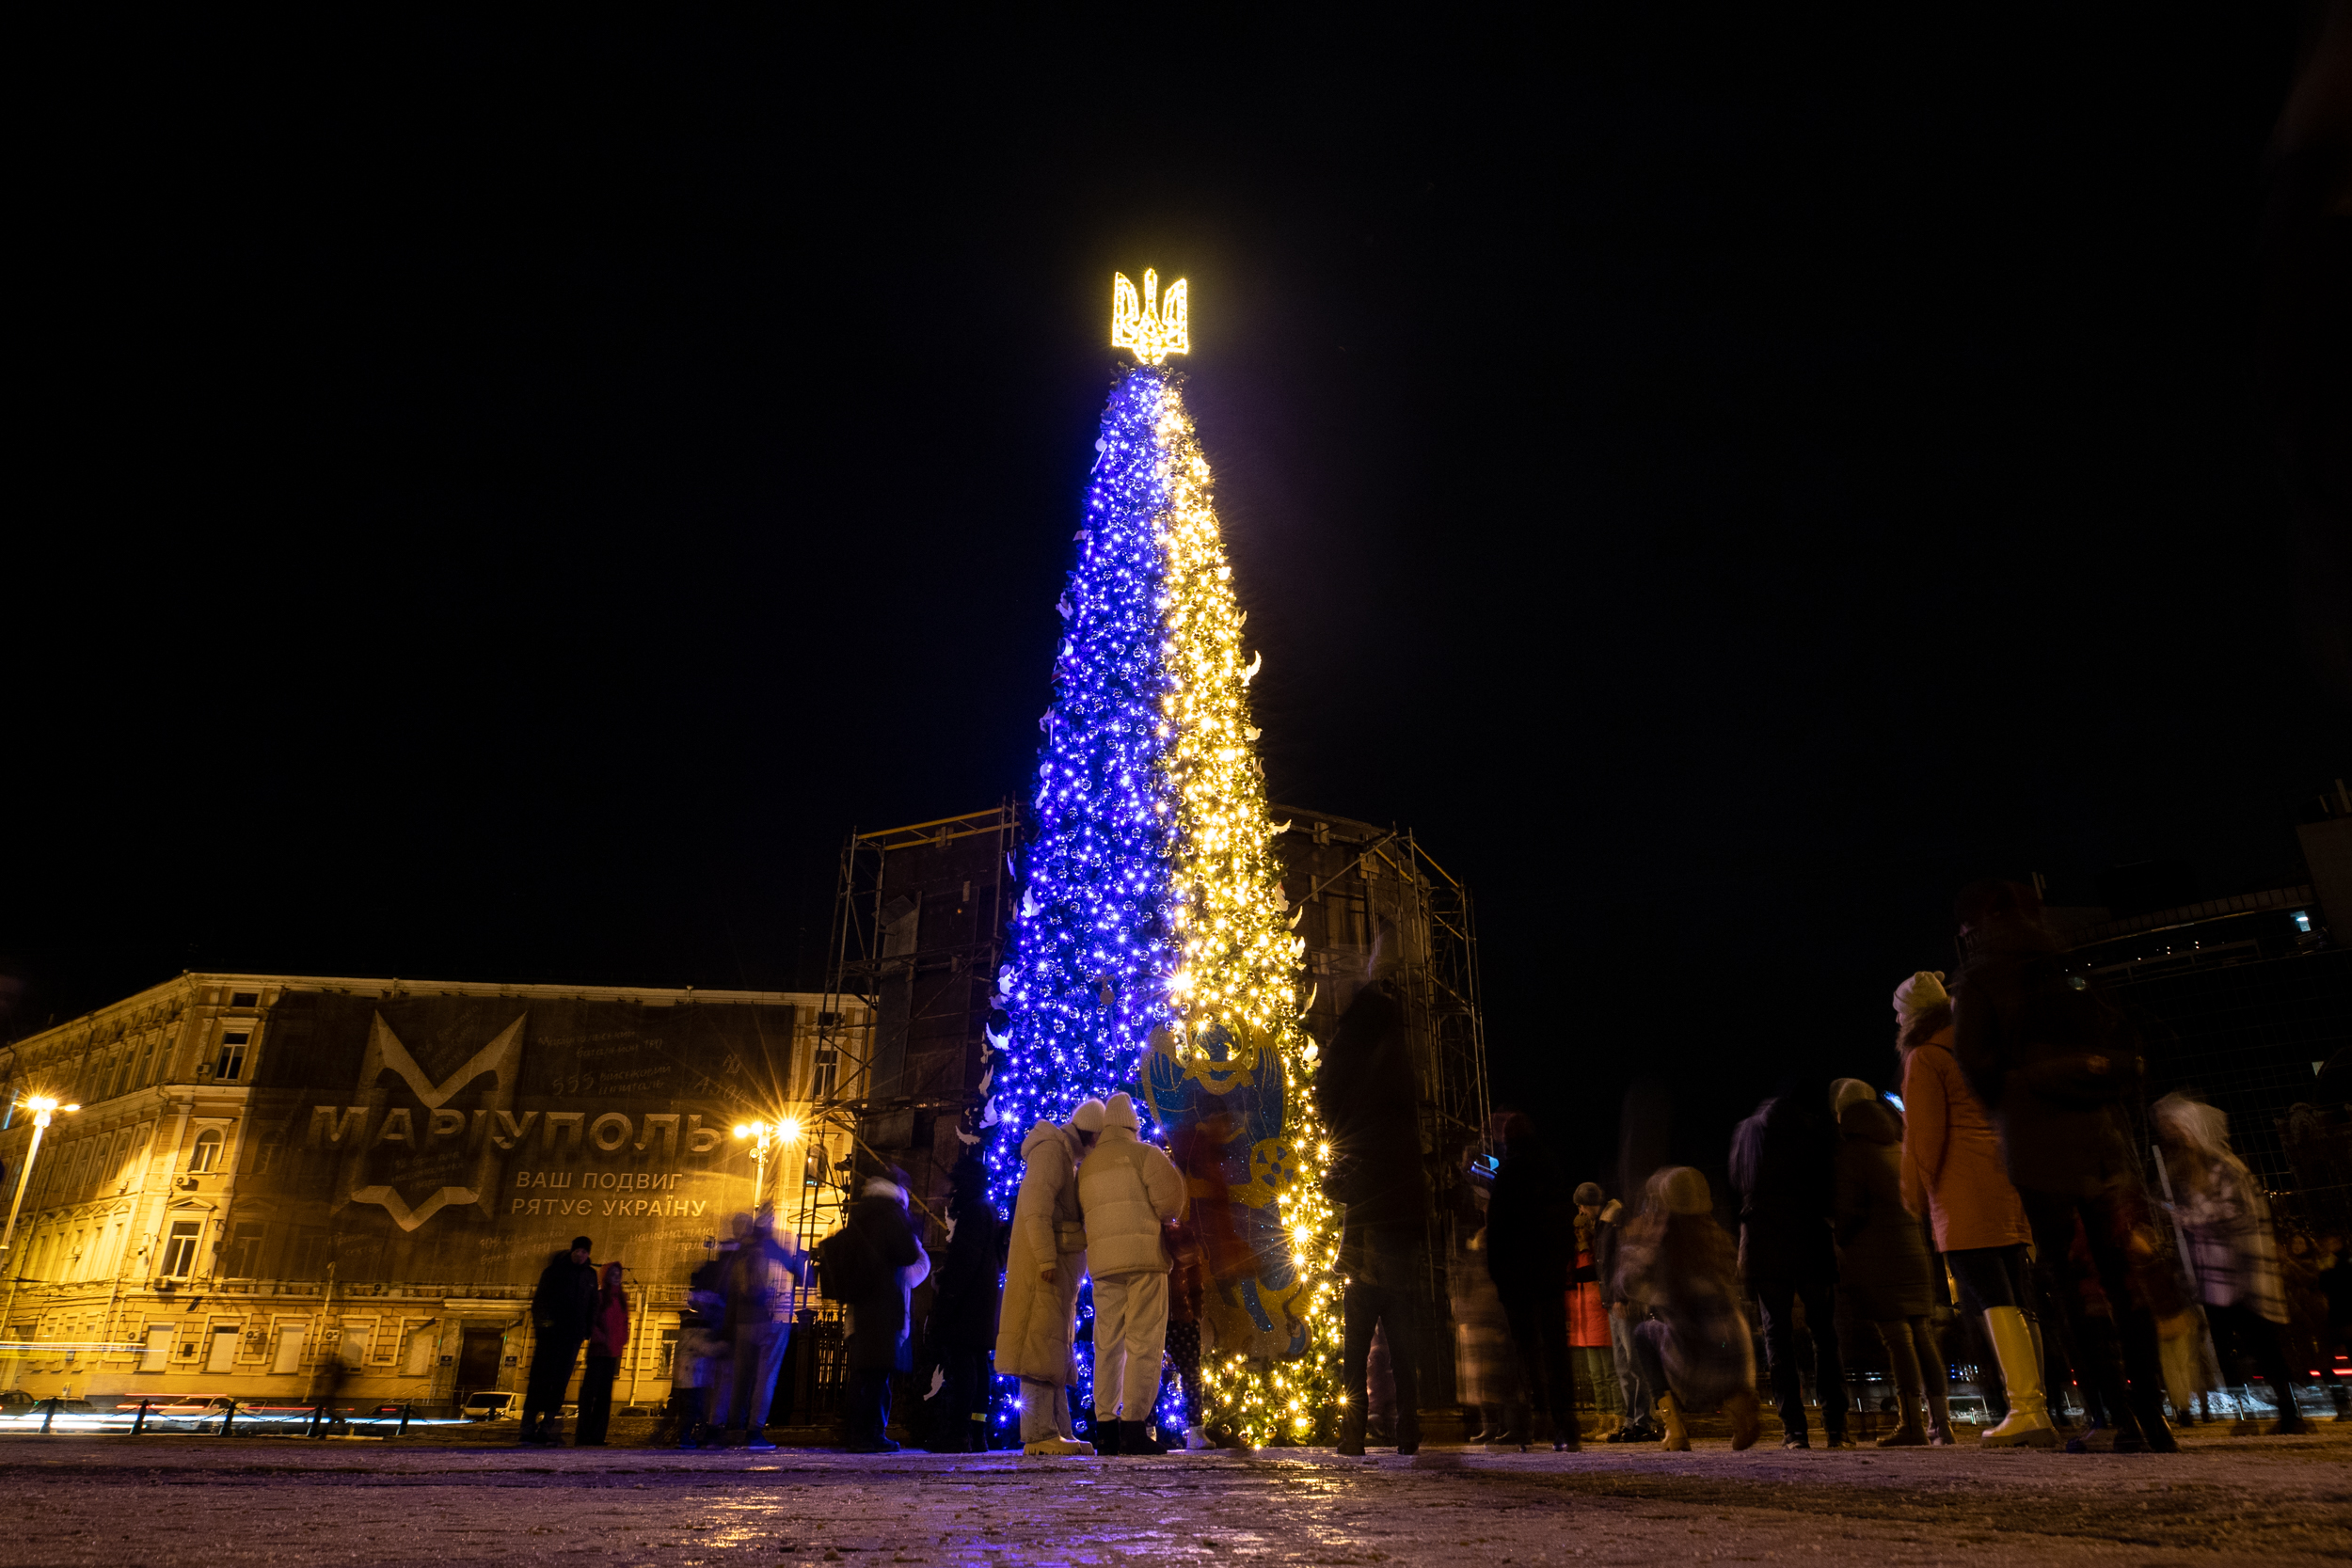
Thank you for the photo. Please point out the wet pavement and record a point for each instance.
(116, 1500)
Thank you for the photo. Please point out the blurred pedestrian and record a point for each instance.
(1883, 1264)
(2230, 1245)
(2054, 1064)
(872, 1265)
(1128, 1191)
(2331, 1268)
(700, 1357)
(1205, 1244)
(760, 1301)
(1045, 1263)
(1679, 1271)
(962, 1321)
(1784, 1165)
(1953, 1172)
(562, 1310)
(1633, 1391)
(1486, 1365)
(1528, 1242)
(607, 1341)
(1588, 1315)
(1367, 1097)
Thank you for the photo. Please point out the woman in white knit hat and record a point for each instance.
(1954, 1174)
(1046, 1262)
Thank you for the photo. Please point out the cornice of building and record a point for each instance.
(397, 988)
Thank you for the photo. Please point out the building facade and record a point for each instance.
(279, 1186)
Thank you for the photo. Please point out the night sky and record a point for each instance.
(502, 502)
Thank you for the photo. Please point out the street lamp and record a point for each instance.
(42, 1107)
(764, 1135)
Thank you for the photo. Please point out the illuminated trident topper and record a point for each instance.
(1154, 333)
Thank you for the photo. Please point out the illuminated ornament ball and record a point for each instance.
(1153, 949)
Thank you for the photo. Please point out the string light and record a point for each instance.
(1151, 948)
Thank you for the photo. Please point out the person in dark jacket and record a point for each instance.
(701, 1356)
(873, 1263)
(962, 1328)
(1882, 1263)
(1526, 1256)
(562, 1310)
(607, 1341)
(2055, 1067)
(1784, 1165)
(1365, 1095)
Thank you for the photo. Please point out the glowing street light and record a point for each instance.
(764, 1135)
(42, 1107)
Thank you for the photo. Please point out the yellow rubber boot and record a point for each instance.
(2028, 1422)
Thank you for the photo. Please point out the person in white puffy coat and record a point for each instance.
(1127, 1188)
(1045, 1261)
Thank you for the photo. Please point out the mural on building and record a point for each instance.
(469, 1138)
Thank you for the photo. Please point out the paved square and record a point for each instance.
(110, 1500)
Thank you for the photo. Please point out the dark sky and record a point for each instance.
(501, 500)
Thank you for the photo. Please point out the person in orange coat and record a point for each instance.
(1953, 1174)
(1588, 1318)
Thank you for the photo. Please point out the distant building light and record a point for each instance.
(2302, 920)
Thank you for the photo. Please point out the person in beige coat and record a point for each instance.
(1128, 1188)
(1045, 1264)
(1954, 1177)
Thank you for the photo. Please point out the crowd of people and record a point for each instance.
(1995, 1198)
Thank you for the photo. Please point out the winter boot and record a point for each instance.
(1409, 1432)
(1107, 1432)
(2028, 1424)
(756, 1441)
(1352, 1430)
(1938, 1390)
(688, 1406)
(1135, 1438)
(1670, 1417)
(1747, 1418)
(529, 1432)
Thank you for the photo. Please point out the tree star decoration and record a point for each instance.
(1153, 333)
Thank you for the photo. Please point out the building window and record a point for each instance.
(821, 1076)
(244, 1250)
(115, 1064)
(229, 1064)
(180, 1249)
(146, 1066)
(206, 1155)
(245, 998)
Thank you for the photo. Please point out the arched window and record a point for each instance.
(207, 1154)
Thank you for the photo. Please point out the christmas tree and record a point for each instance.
(1154, 951)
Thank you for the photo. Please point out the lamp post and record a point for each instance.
(764, 1135)
(42, 1107)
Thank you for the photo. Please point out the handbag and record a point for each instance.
(1070, 1235)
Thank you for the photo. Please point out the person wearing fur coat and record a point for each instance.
(1128, 1189)
(1046, 1260)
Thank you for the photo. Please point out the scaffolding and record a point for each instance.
(919, 929)
(1353, 877)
